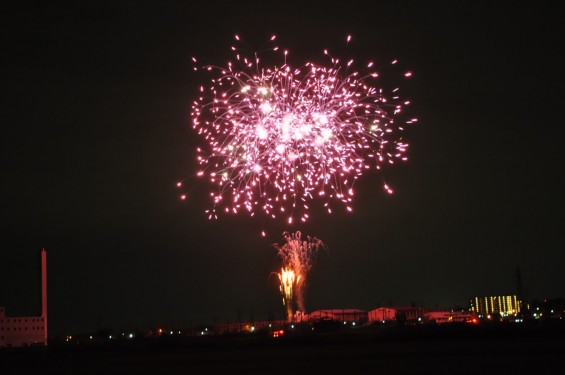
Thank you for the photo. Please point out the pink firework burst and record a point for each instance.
(279, 137)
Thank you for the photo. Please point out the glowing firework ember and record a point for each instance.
(297, 256)
(278, 137)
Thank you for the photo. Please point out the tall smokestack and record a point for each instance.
(44, 292)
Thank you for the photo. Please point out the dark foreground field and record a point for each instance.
(436, 350)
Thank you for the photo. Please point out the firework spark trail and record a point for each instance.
(297, 255)
(279, 137)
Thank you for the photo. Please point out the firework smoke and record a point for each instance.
(278, 137)
(297, 256)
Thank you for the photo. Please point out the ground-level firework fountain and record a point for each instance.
(287, 280)
(297, 255)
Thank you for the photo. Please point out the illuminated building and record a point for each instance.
(442, 317)
(26, 330)
(382, 314)
(345, 315)
(503, 305)
(410, 314)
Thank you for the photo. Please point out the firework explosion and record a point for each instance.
(297, 256)
(279, 137)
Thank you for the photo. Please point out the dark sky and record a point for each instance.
(94, 107)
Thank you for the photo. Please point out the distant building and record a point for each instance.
(442, 317)
(382, 314)
(503, 305)
(408, 314)
(26, 330)
(345, 315)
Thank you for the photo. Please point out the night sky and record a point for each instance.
(94, 108)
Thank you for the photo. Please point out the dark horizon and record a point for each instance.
(95, 105)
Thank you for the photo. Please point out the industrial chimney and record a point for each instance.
(44, 292)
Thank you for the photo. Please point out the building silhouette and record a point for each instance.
(18, 331)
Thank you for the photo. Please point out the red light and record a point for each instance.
(278, 333)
